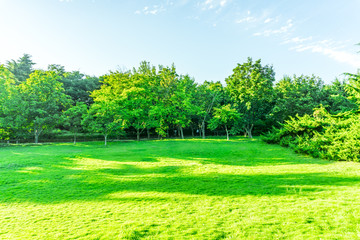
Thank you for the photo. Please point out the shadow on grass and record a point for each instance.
(62, 185)
(52, 174)
(238, 152)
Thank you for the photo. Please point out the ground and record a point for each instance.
(175, 189)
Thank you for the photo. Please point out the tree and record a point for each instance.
(22, 68)
(250, 87)
(77, 85)
(337, 98)
(183, 104)
(103, 118)
(73, 116)
(207, 96)
(297, 95)
(8, 96)
(43, 99)
(162, 112)
(353, 87)
(127, 93)
(225, 117)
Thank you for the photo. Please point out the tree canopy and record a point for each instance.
(160, 102)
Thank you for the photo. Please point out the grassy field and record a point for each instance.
(175, 189)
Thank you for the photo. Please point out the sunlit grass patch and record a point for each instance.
(175, 189)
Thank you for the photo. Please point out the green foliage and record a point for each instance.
(7, 92)
(73, 116)
(225, 117)
(130, 95)
(22, 68)
(77, 85)
(103, 118)
(337, 98)
(250, 87)
(296, 96)
(334, 137)
(159, 100)
(353, 88)
(208, 96)
(43, 99)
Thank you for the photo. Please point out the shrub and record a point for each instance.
(333, 137)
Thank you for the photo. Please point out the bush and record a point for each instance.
(333, 137)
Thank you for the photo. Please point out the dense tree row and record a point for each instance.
(332, 135)
(158, 102)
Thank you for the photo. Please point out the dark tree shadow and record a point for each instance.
(60, 179)
(61, 185)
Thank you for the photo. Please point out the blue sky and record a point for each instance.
(204, 38)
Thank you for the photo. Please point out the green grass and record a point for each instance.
(175, 189)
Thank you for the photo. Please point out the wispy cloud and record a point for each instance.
(281, 30)
(268, 20)
(213, 4)
(335, 50)
(154, 10)
(297, 40)
(331, 49)
(248, 19)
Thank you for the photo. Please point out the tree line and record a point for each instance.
(150, 101)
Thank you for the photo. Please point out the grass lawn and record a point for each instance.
(175, 189)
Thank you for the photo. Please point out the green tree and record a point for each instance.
(208, 96)
(337, 98)
(225, 117)
(77, 85)
(103, 118)
(162, 110)
(250, 87)
(353, 87)
(127, 93)
(73, 116)
(43, 99)
(297, 95)
(8, 96)
(22, 68)
(183, 103)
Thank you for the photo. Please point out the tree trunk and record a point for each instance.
(181, 132)
(148, 133)
(37, 134)
(192, 131)
(74, 138)
(105, 136)
(138, 134)
(203, 130)
(227, 133)
(248, 130)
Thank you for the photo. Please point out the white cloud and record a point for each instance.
(223, 3)
(213, 4)
(208, 4)
(326, 48)
(246, 20)
(297, 40)
(282, 30)
(268, 20)
(154, 10)
(335, 50)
